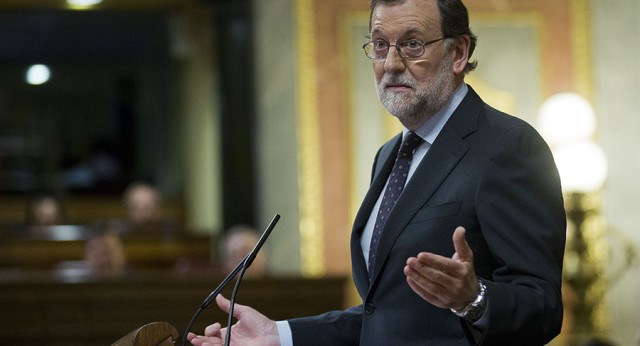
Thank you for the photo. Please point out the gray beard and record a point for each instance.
(414, 111)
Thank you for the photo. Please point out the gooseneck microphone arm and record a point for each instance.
(243, 265)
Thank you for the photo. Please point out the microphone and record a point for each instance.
(243, 265)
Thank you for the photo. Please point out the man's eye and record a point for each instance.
(412, 44)
(380, 45)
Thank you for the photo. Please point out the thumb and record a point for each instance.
(463, 251)
(223, 303)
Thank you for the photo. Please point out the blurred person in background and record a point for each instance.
(104, 253)
(237, 243)
(143, 208)
(44, 210)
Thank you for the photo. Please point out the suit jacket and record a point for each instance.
(493, 174)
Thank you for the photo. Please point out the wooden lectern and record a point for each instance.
(152, 334)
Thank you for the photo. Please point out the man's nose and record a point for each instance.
(394, 62)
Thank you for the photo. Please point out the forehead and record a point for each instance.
(242, 240)
(420, 16)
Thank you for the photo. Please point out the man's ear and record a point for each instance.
(461, 53)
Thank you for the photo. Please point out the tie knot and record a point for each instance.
(410, 142)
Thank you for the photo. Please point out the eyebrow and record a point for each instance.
(410, 32)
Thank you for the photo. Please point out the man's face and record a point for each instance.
(47, 212)
(412, 90)
(143, 205)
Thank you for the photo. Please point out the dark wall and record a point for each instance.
(112, 92)
(234, 30)
(52, 136)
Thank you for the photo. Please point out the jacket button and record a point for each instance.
(369, 308)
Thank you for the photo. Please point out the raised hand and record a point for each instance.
(442, 281)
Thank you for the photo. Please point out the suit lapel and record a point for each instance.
(381, 170)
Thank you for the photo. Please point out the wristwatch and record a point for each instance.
(475, 309)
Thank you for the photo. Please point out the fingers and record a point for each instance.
(213, 330)
(213, 335)
(435, 267)
(432, 273)
(422, 292)
(197, 340)
(428, 275)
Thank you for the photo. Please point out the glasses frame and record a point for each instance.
(367, 47)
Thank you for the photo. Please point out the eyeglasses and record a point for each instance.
(409, 49)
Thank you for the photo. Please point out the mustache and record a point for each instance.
(396, 79)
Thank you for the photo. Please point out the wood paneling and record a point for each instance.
(39, 310)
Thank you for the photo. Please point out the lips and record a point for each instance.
(398, 87)
(396, 82)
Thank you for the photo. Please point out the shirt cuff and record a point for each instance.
(284, 332)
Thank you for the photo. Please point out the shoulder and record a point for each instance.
(501, 126)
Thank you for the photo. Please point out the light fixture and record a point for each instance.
(38, 74)
(567, 122)
(82, 4)
(582, 165)
(566, 117)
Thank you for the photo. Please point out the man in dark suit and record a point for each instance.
(471, 250)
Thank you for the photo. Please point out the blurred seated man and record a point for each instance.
(104, 253)
(143, 207)
(238, 241)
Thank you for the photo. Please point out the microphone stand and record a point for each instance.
(243, 265)
(227, 338)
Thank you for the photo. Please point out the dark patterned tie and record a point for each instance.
(397, 180)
